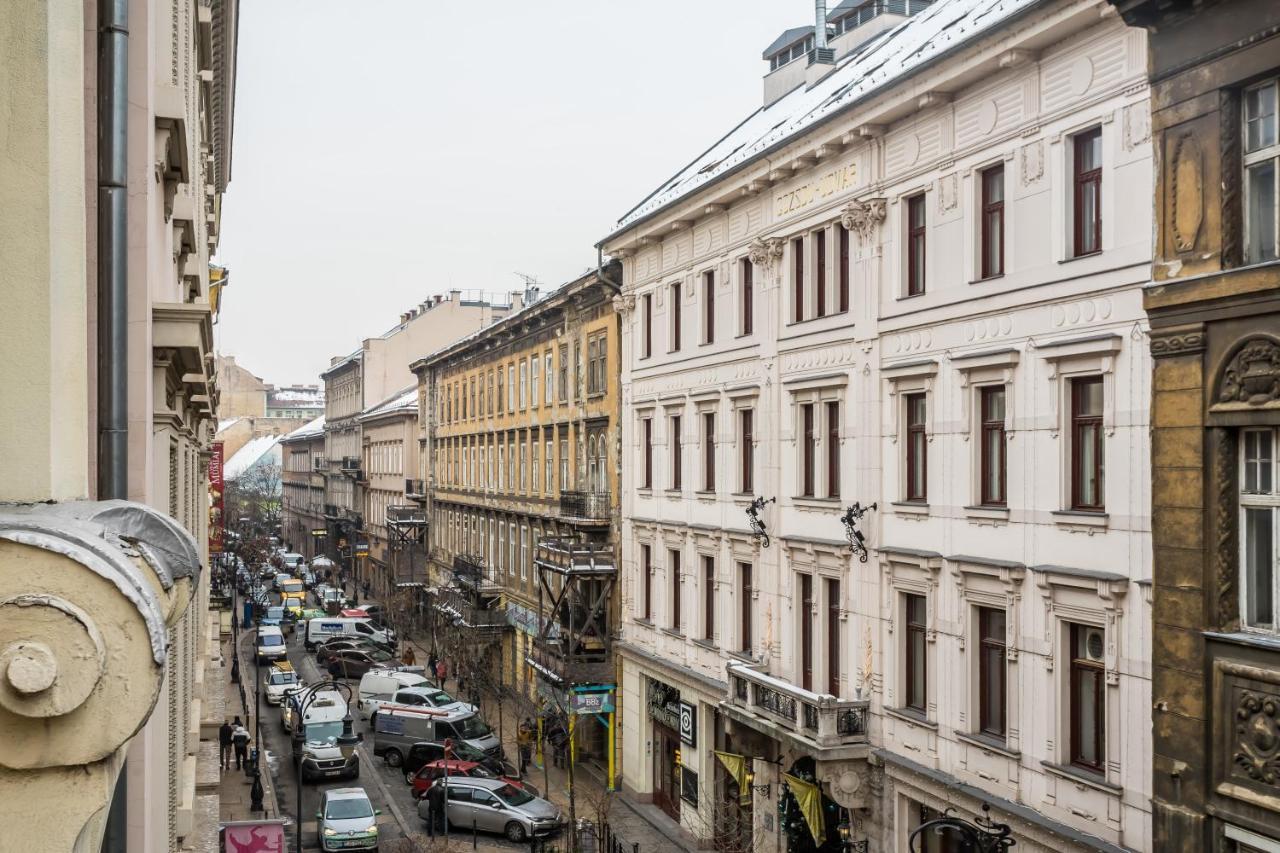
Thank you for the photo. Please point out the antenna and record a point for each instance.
(529, 280)
(531, 286)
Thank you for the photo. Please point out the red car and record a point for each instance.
(429, 773)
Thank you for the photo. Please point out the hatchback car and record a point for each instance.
(327, 650)
(429, 773)
(495, 805)
(425, 752)
(347, 820)
(354, 663)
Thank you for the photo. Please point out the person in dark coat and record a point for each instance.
(224, 743)
(435, 808)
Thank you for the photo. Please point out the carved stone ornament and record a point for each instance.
(1252, 377)
(1186, 192)
(863, 217)
(763, 251)
(624, 304)
(1257, 748)
(1177, 342)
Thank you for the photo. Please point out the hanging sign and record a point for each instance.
(216, 485)
(688, 724)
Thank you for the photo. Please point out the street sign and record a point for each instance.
(592, 703)
(320, 532)
(689, 723)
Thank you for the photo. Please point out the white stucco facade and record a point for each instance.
(1054, 319)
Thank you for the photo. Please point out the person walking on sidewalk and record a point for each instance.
(524, 743)
(442, 672)
(408, 658)
(224, 743)
(240, 740)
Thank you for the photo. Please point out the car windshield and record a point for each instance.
(324, 732)
(275, 612)
(378, 655)
(467, 752)
(271, 640)
(284, 678)
(513, 796)
(472, 727)
(436, 698)
(348, 809)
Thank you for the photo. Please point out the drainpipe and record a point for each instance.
(113, 81)
(614, 285)
(113, 425)
(820, 29)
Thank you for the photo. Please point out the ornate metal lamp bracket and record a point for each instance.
(758, 530)
(857, 541)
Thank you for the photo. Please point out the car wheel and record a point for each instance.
(356, 775)
(515, 832)
(393, 758)
(408, 780)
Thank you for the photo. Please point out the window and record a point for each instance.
(597, 363)
(1086, 444)
(797, 298)
(524, 466)
(808, 447)
(993, 222)
(1087, 174)
(917, 671)
(708, 451)
(917, 450)
(833, 635)
(991, 450)
(562, 381)
(709, 307)
(992, 688)
(673, 564)
(675, 317)
(565, 482)
(915, 245)
(748, 296)
(577, 371)
(1260, 512)
(646, 432)
(524, 552)
(646, 327)
(746, 450)
(533, 381)
(708, 597)
(548, 464)
(820, 272)
(677, 463)
(745, 641)
(547, 396)
(536, 474)
(833, 450)
(512, 550)
(501, 393)
(511, 387)
(524, 381)
(842, 271)
(502, 548)
(1261, 171)
(646, 568)
(502, 457)
(806, 631)
(1088, 702)
(931, 842)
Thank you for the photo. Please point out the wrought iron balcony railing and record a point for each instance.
(415, 490)
(459, 609)
(585, 506)
(817, 717)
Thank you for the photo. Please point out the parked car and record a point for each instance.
(494, 805)
(325, 651)
(377, 691)
(425, 752)
(397, 728)
(346, 820)
(281, 681)
(428, 773)
(354, 663)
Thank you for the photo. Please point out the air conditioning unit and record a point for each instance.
(1095, 646)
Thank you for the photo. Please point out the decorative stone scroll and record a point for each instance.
(863, 217)
(1257, 737)
(764, 251)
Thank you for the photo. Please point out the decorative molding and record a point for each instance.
(864, 217)
(1186, 192)
(1032, 162)
(1224, 510)
(948, 193)
(1181, 340)
(1137, 124)
(624, 304)
(1256, 749)
(1252, 378)
(764, 251)
(1231, 227)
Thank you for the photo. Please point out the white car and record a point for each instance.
(347, 820)
(281, 681)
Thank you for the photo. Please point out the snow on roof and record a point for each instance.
(404, 400)
(788, 38)
(300, 395)
(882, 62)
(308, 430)
(227, 424)
(250, 455)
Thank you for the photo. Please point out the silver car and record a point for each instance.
(347, 820)
(495, 805)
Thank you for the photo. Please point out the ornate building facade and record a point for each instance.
(1214, 309)
(302, 463)
(842, 333)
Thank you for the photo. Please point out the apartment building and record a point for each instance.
(521, 452)
(840, 306)
(112, 187)
(1214, 309)
(302, 522)
(389, 435)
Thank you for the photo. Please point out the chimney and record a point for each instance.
(822, 59)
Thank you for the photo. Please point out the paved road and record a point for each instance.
(385, 786)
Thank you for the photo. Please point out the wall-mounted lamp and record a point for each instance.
(758, 530)
(850, 519)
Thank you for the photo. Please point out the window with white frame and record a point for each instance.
(1259, 528)
(524, 552)
(547, 379)
(673, 294)
(534, 396)
(817, 431)
(1261, 172)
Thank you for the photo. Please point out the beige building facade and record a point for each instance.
(107, 351)
(302, 463)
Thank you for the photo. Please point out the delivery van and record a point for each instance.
(396, 729)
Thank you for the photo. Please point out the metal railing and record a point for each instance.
(588, 506)
(415, 488)
(818, 717)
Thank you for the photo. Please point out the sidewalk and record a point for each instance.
(234, 787)
(632, 822)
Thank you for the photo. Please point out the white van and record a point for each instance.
(271, 644)
(293, 561)
(324, 627)
(379, 686)
(397, 728)
(321, 756)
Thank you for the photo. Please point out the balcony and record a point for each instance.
(470, 572)
(332, 511)
(350, 463)
(586, 508)
(415, 490)
(462, 608)
(813, 721)
(575, 594)
(319, 463)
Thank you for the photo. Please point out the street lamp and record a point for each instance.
(300, 701)
(979, 836)
(256, 792)
(847, 829)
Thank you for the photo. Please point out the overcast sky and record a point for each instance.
(388, 150)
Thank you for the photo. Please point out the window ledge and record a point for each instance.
(644, 491)
(1080, 517)
(1000, 513)
(1083, 777)
(705, 494)
(912, 295)
(911, 716)
(745, 657)
(672, 632)
(988, 743)
(910, 508)
(995, 277)
(639, 620)
(707, 644)
(808, 502)
(742, 498)
(1080, 257)
(673, 493)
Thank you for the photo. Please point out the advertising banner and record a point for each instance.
(215, 499)
(253, 837)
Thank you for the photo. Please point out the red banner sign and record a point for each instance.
(248, 837)
(215, 499)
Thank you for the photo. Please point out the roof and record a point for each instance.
(787, 39)
(311, 429)
(250, 455)
(402, 401)
(884, 61)
(227, 424)
(312, 396)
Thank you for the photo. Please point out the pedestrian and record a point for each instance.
(240, 740)
(224, 743)
(408, 658)
(442, 672)
(524, 743)
(435, 807)
(432, 660)
(365, 588)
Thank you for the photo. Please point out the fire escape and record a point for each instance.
(574, 645)
(406, 533)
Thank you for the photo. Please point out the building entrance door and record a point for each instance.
(666, 770)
